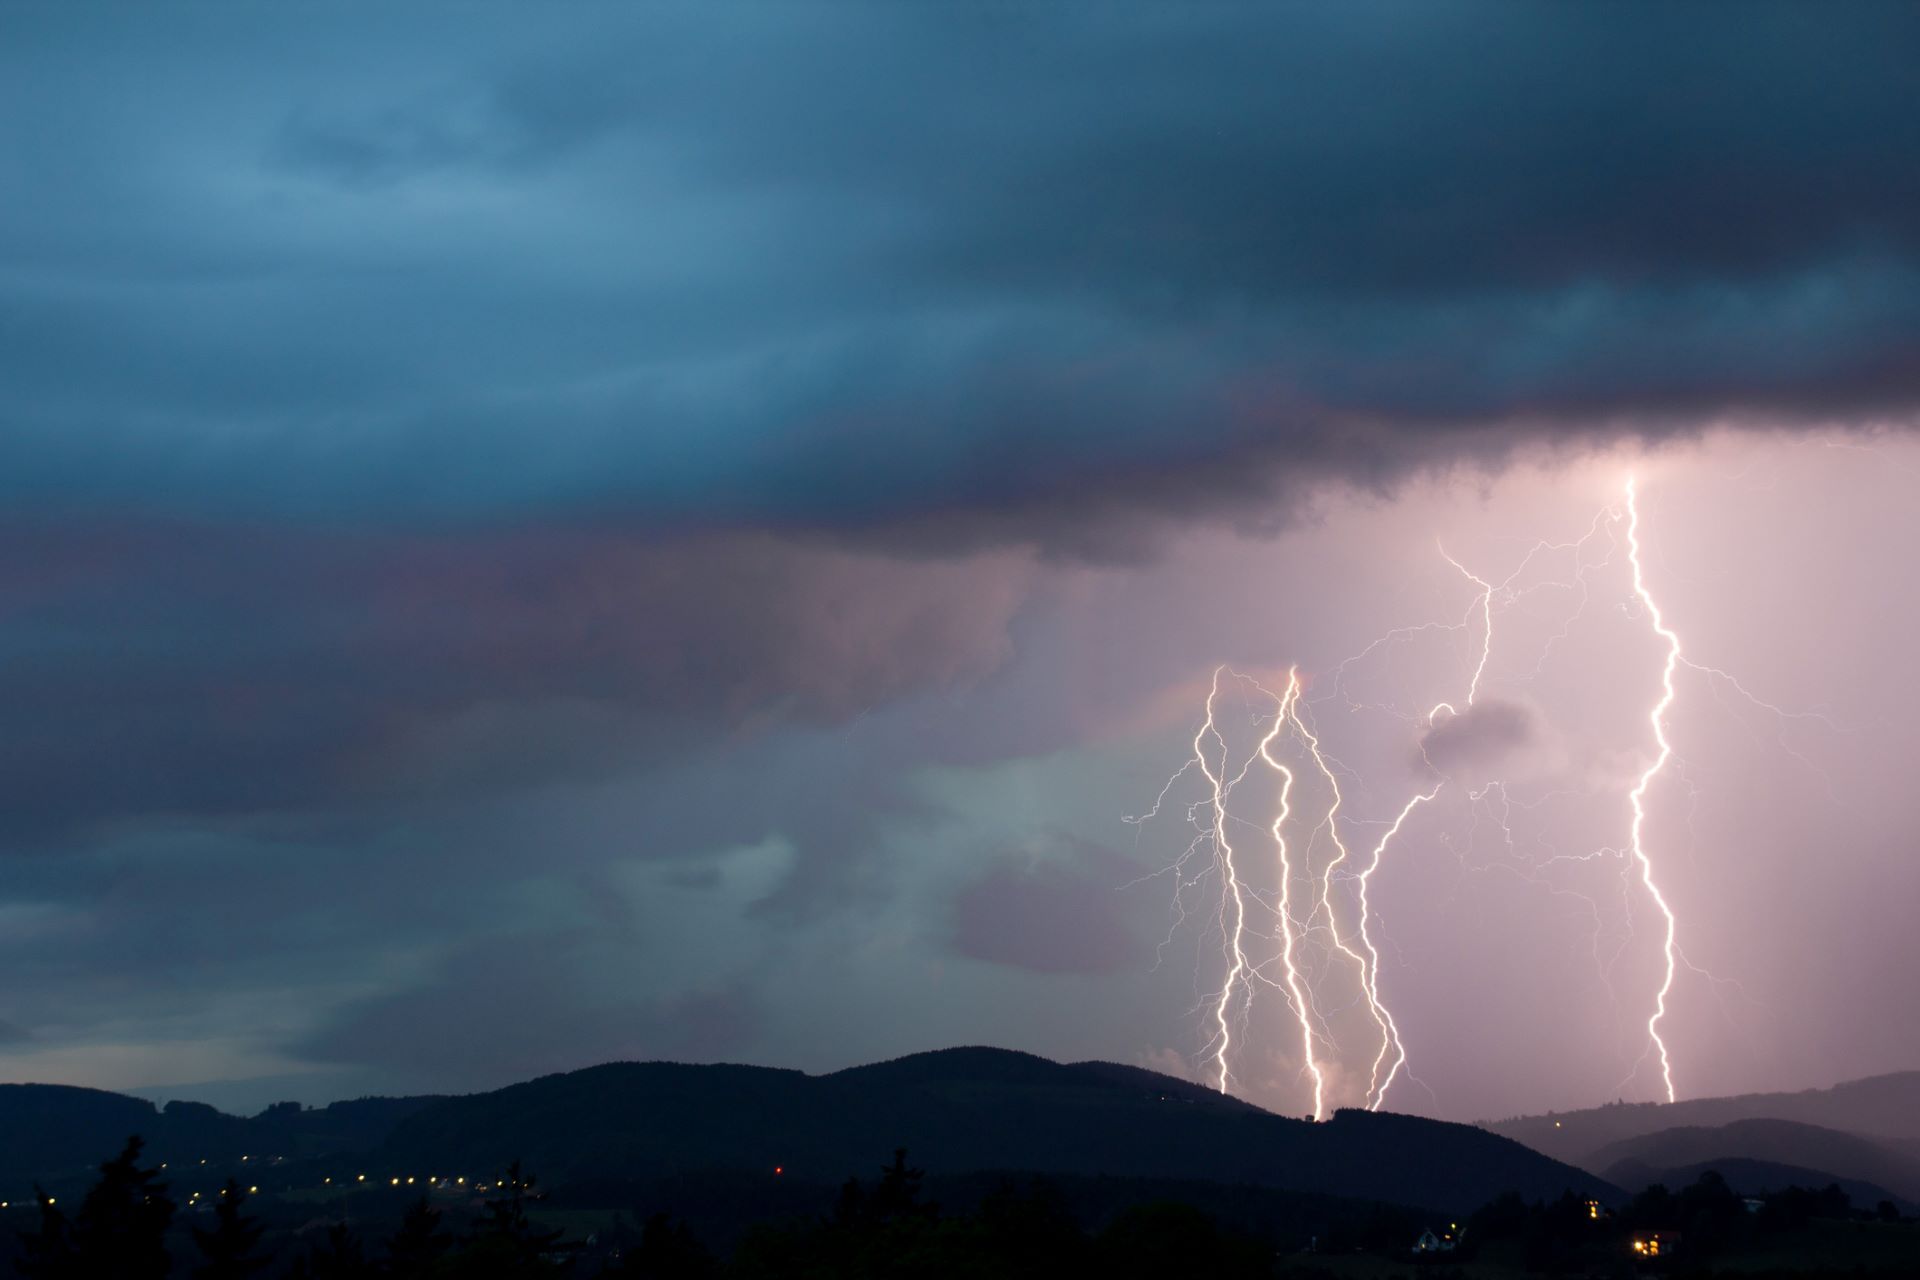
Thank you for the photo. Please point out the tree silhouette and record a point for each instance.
(339, 1256)
(505, 1244)
(417, 1247)
(118, 1233)
(1150, 1241)
(47, 1253)
(898, 1195)
(667, 1251)
(227, 1250)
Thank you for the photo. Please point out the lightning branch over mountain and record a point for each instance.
(1305, 924)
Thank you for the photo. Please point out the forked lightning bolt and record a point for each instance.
(1296, 993)
(1292, 734)
(1658, 718)
(1236, 895)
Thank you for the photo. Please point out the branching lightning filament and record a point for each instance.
(1658, 719)
(1307, 925)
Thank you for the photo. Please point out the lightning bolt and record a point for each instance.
(1658, 719)
(1370, 966)
(1368, 958)
(1245, 903)
(1297, 996)
(1236, 897)
(1376, 1087)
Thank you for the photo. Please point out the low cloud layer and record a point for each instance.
(174, 672)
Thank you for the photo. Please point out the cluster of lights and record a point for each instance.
(434, 1181)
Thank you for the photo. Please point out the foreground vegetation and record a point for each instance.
(127, 1227)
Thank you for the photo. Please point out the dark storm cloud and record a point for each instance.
(1482, 736)
(188, 672)
(483, 489)
(985, 273)
(1050, 917)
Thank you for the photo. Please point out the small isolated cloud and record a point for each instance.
(1483, 737)
(1048, 917)
(10, 1034)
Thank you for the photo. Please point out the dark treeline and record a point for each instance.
(128, 1228)
(1684, 1231)
(123, 1229)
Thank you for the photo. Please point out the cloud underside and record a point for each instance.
(308, 673)
(951, 276)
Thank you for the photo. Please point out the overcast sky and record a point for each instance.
(530, 537)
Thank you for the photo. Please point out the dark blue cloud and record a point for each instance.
(990, 275)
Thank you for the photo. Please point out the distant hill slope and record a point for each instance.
(1775, 1142)
(1883, 1109)
(960, 1111)
(1754, 1178)
(50, 1130)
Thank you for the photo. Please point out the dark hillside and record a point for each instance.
(51, 1131)
(1754, 1178)
(960, 1111)
(1777, 1142)
(1885, 1109)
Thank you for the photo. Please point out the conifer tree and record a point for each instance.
(228, 1249)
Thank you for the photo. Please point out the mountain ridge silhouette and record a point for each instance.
(962, 1111)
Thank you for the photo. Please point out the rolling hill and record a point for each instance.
(1755, 1178)
(51, 1132)
(960, 1112)
(963, 1111)
(1883, 1109)
(1775, 1143)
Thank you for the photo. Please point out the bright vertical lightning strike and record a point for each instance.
(1237, 967)
(1298, 997)
(1376, 1087)
(1244, 903)
(1369, 963)
(1638, 796)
